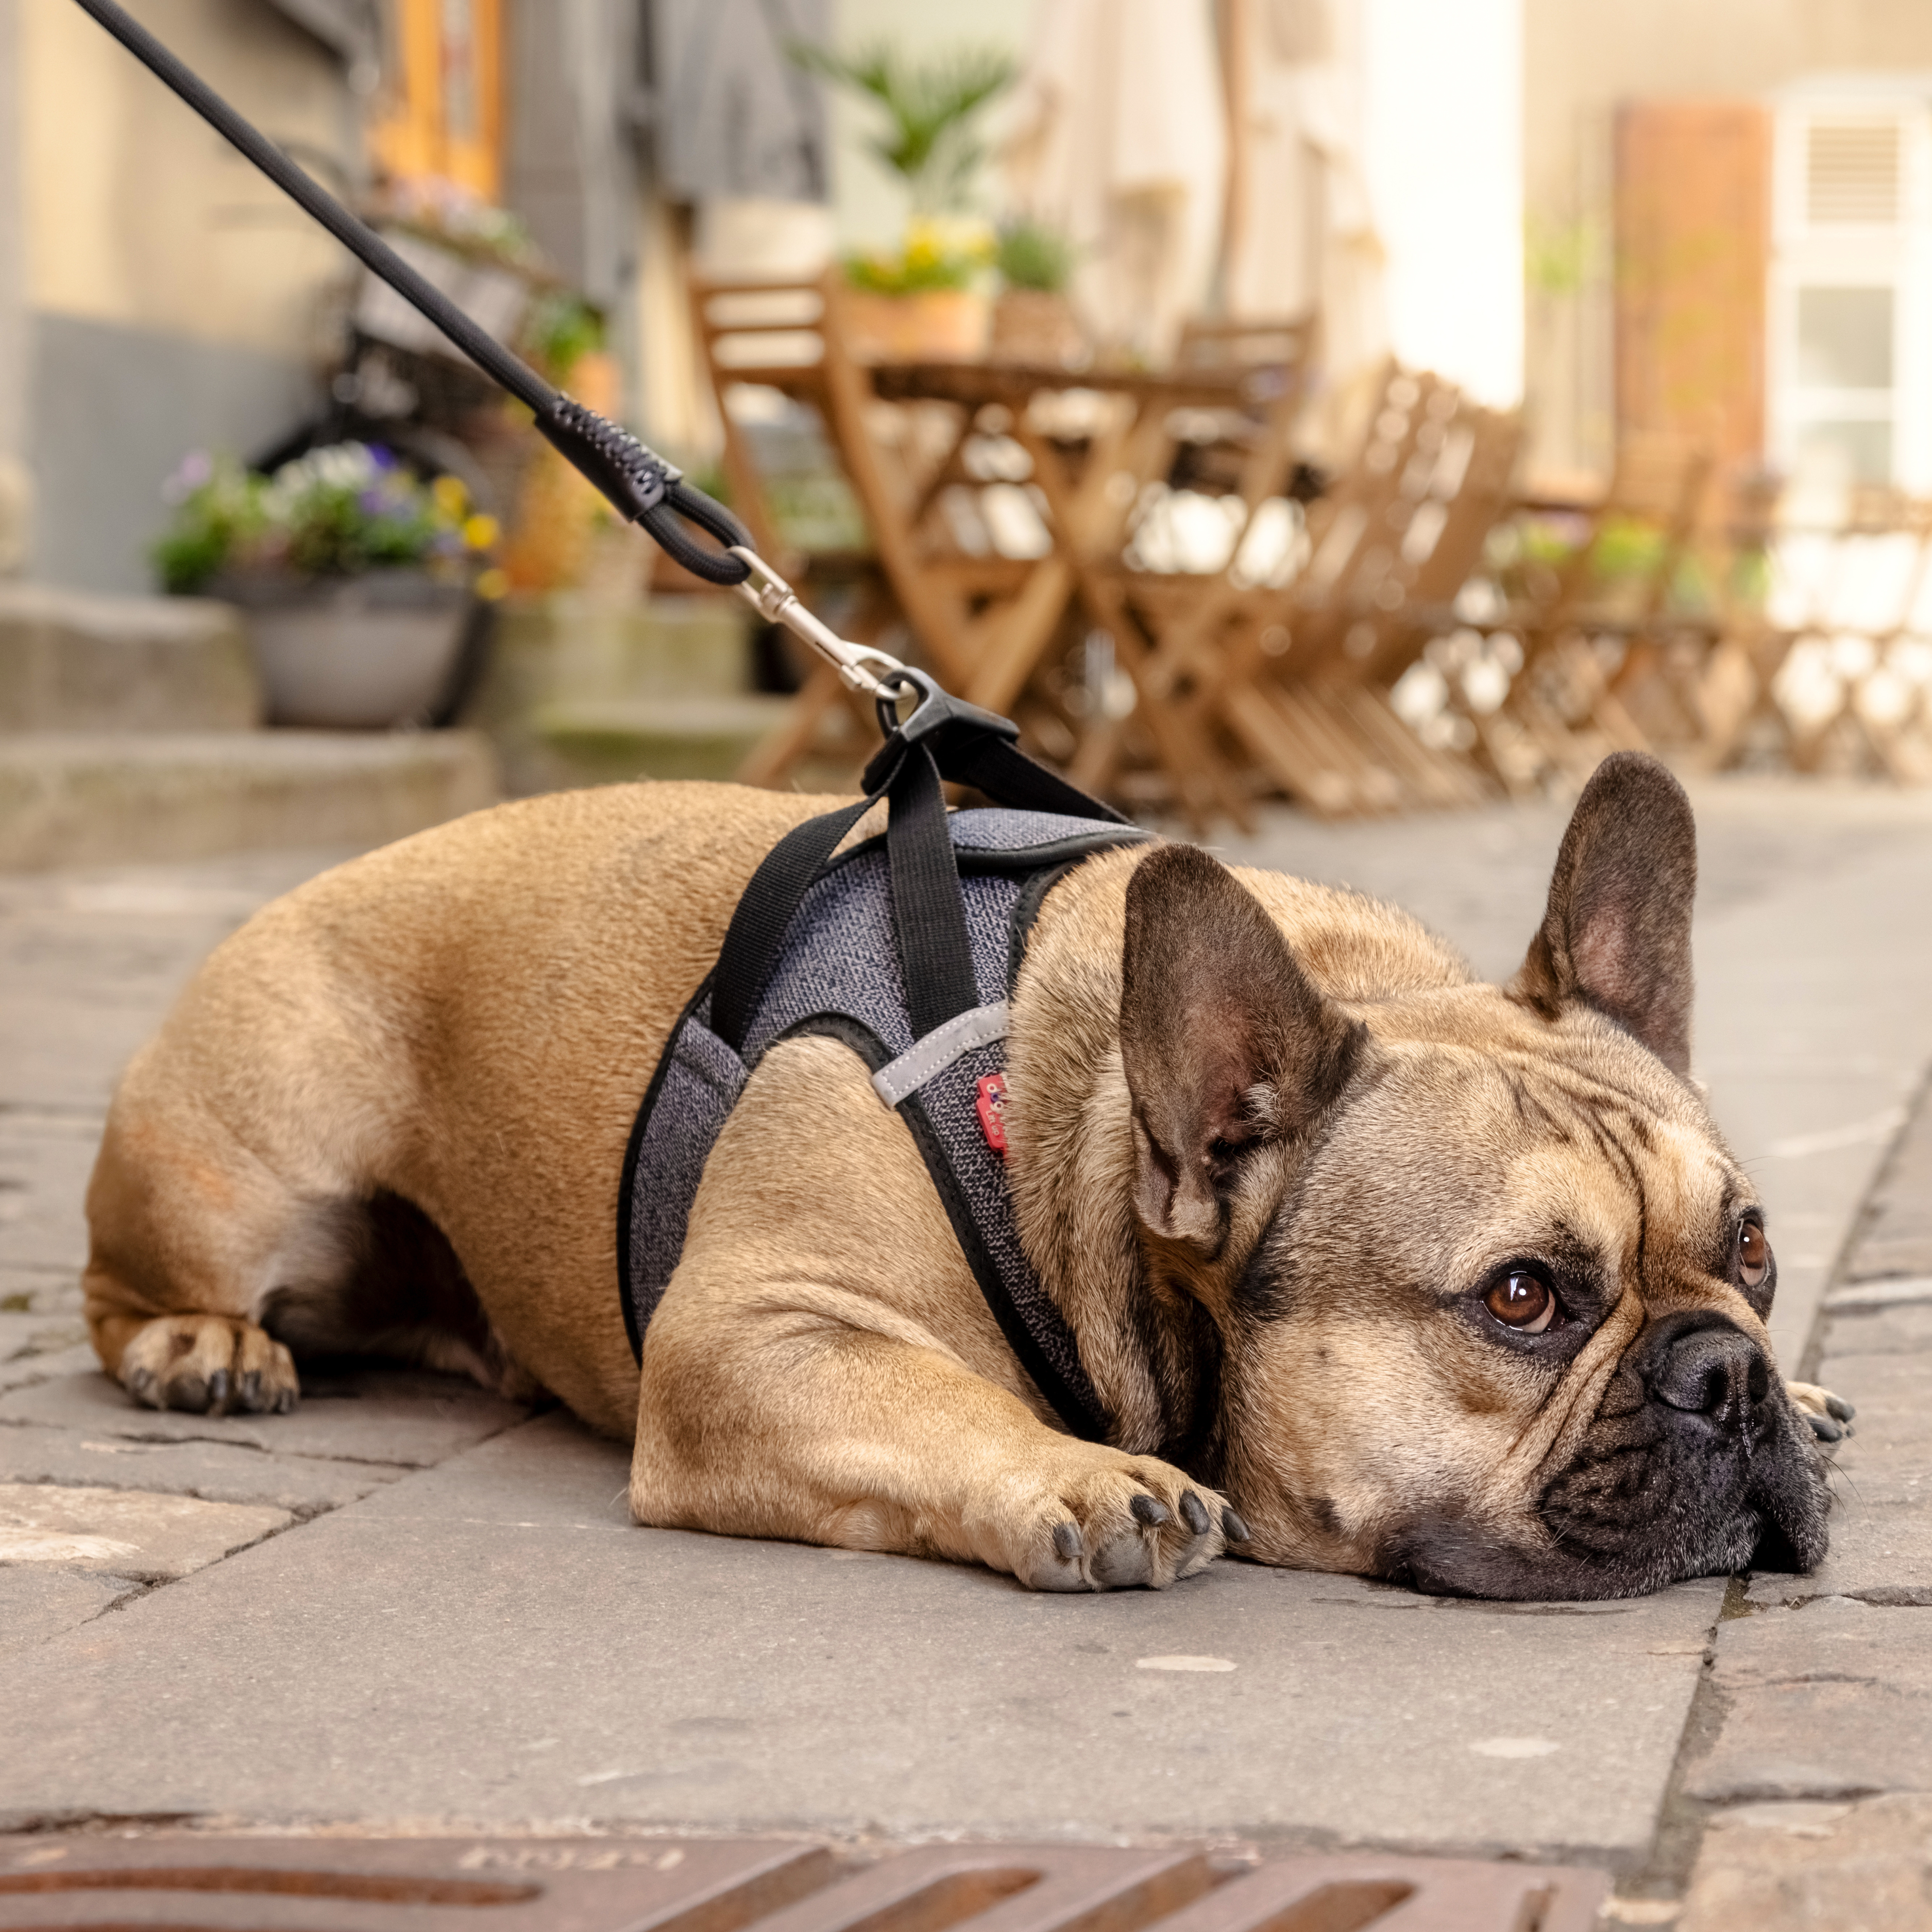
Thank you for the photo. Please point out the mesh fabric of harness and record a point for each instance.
(840, 975)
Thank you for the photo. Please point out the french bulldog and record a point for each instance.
(1376, 1268)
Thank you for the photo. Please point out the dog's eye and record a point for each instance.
(1523, 1301)
(1753, 1254)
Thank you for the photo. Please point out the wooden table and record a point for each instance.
(1090, 486)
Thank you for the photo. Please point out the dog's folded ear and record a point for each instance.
(1617, 933)
(1226, 1042)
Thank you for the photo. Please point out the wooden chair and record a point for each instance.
(767, 337)
(1305, 685)
(1590, 625)
(1163, 626)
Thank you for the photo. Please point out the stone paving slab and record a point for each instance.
(1881, 1486)
(1899, 1330)
(545, 1660)
(25, 1371)
(1815, 1867)
(44, 1166)
(1832, 1700)
(134, 1533)
(221, 1472)
(89, 962)
(374, 1416)
(1895, 1233)
(37, 1602)
(28, 1333)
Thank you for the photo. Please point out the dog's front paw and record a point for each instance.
(1107, 1521)
(1829, 1415)
(209, 1364)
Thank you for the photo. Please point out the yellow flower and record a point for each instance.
(452, 498)
(492, 584)
(480, 532)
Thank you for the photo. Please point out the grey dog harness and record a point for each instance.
(840, 974)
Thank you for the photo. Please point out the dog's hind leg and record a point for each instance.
(212, 1274)
(188, 1232)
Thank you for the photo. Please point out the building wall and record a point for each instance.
(1581, 58)
(174, 299)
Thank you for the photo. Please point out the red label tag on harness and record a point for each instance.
(992, 1107)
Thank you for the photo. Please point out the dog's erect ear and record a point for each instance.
(1226, 1041)
(1617, 934)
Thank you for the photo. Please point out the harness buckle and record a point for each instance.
(937, 710)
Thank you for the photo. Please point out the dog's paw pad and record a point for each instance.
(209, 1365)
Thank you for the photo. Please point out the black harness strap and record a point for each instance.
(927, 912)
(944, 738)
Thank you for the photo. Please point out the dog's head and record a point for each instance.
(1490, 1290)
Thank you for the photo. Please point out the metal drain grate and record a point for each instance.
(184, 1883)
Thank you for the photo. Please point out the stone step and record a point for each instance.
(608, 741)
(72, 662)
(73, 799)
(581, 692)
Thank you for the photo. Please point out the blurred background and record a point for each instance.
(1648, 284)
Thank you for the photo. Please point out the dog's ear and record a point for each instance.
(1617, 934)
(1226, 1042)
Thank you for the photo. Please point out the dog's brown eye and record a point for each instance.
(1753, 1254)
(1521, 1301)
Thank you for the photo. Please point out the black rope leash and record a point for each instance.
(641, 486)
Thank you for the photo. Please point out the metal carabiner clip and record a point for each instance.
(871, 672)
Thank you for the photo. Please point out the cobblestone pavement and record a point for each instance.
(409, 1601)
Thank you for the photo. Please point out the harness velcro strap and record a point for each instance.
(899, 1079)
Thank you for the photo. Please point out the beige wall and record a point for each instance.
(137, 213)
(1582, 57)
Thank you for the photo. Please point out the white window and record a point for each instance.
(1849, 359)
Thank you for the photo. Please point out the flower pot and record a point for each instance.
(1031, 326)
(361, 653)
(934, 325)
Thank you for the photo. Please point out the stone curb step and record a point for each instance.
(332, 1884)
(70, 661)
(122, 798)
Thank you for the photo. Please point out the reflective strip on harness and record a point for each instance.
(905, 1076)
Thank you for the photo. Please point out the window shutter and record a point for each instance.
(1692, 187)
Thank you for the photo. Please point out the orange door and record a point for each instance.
(1693, 243)
(443, 85)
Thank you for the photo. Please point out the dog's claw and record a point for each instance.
(1149, 1510)
(1233, 1527)
(1066, 1541)
(1824, 1428)
(1194, 1513)
(1840, 1407)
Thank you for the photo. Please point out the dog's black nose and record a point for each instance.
(1716, 1371)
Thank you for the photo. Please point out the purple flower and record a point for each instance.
(381, 457)
(194, 470)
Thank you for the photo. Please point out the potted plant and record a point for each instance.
(1033, 321)
(926, 298)
(354, 575)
